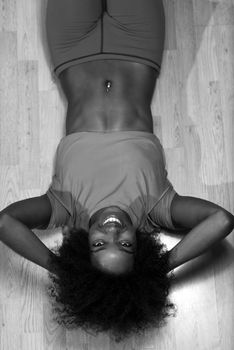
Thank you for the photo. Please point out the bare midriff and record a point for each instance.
(108, 96)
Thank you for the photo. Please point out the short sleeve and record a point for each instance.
(161, 212)
(60, 215)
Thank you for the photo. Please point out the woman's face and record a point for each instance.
(112, 240)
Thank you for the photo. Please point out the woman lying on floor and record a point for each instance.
(110, 190)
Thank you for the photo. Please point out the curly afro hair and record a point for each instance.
(130, 303)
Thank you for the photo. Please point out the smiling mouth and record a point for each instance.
(112, 220)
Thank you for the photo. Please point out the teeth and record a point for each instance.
(112, 219)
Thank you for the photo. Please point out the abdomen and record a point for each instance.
(126, 104)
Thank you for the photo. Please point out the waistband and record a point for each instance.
(122, 132)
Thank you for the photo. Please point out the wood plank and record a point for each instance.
(192, 107)
(8, 99)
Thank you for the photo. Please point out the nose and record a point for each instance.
(112, 228)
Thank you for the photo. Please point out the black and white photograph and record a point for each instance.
(116, 174)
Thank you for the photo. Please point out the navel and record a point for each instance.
(108, 85)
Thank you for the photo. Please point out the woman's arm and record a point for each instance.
(33, 212)
(23, 241)
(209, 222)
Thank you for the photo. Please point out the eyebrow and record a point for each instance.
(103, 248)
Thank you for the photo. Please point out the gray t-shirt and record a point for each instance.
(95, 170)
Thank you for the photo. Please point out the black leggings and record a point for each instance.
(84, 30)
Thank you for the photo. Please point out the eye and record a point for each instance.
(126, 244)
(98, 244)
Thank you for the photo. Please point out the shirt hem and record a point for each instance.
(106, 55)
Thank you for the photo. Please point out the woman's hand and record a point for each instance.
(65, 232)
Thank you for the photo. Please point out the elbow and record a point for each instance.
(3, 218)
(227, 220)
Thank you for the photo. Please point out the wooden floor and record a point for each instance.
(193, 108)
